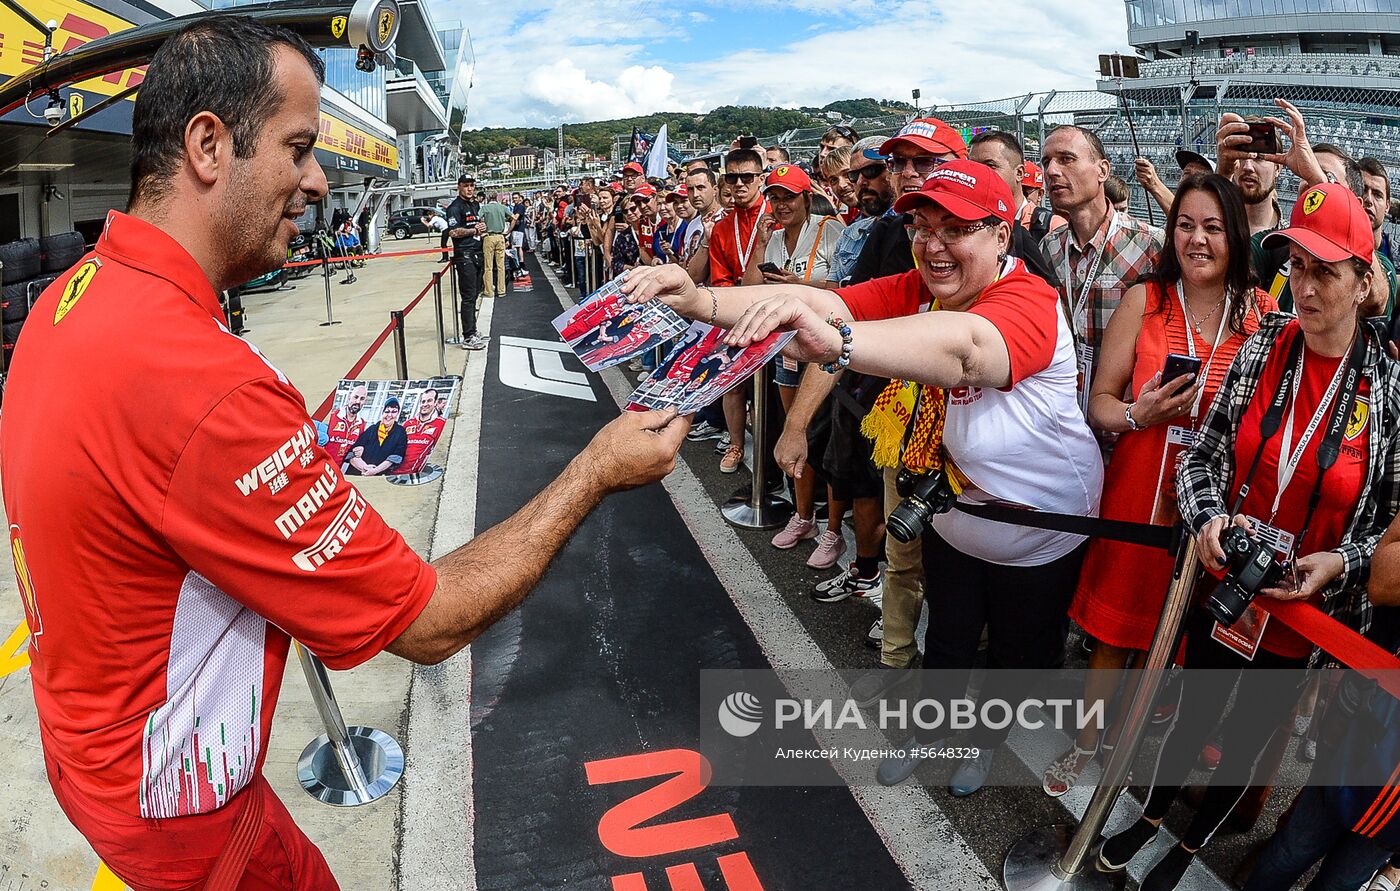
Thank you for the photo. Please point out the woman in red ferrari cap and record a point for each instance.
(1298, 454)
(988, 400)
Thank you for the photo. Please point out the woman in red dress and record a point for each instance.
(1201, 304)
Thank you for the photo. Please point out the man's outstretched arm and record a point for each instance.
(487, 577)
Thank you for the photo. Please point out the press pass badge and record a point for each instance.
(1086, 376)
(1243, 637)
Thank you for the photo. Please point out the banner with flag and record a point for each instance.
(657, 156)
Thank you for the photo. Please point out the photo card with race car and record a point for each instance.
(416, 414)
(605, 330)
(701, 368)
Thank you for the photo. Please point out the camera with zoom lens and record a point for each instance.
(924, 494)
(1250, 565)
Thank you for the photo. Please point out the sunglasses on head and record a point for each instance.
(736, 178)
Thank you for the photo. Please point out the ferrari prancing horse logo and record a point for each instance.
(77, 286)
(338, 27)
(1313, 201)
(75, 104)
(1360, 414)
(386, 25)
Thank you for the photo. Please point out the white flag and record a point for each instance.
(658, 156)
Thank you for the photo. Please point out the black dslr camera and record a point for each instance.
(924, 494)
(1250, 566)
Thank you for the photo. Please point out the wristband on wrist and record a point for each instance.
(843, 359)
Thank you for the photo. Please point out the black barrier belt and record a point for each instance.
(1145, 534)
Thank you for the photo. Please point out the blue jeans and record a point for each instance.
(1312, 833)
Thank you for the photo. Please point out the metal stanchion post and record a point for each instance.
(1055, 858)
(400, 345)
(569, 267)
(758, 509)
(345, 766)
(441, 329)
(326, 277)
(589, 266)
(456, 311)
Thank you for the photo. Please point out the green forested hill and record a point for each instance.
(724, 121)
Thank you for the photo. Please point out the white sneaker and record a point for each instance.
(875, 637)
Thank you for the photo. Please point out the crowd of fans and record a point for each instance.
(1005, 327)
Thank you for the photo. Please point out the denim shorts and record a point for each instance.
(786, 372)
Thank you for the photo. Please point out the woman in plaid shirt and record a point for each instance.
(1272, 486)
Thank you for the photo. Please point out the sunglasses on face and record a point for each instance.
(869, 171)
(922, 166)
(736, 178)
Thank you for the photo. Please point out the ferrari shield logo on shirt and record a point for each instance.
(1313, 200)
(338, 27)
(77, 286)
(1360, 414)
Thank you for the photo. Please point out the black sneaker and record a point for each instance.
(847, 584)
(1116, 852)
(1166, 875)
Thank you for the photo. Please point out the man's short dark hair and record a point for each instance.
(1003, 139)
(706, 172)
(224, 65)
(782, 152)
(1116, 189)
(744, 156)
(1373, 167)
(1353, 169)
(1095, 144)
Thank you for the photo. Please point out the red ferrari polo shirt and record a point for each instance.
(173, 521)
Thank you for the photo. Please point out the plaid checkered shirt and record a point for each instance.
(1121, 254)
(1212, 459)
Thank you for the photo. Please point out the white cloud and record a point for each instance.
(540, 62)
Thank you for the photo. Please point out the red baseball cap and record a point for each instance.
(645, 190)
(1034, 178)
(967, 189)
(616, 187)
(1329, 222)
(790, 177)
(633, 167)
(679, 193)
(929, 136)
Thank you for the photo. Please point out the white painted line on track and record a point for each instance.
(925, 846)
(437, 821)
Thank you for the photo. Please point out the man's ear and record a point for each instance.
(208, 147)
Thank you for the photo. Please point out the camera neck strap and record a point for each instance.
(1340, 398)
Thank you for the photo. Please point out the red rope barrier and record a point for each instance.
(1346, 645)
(380, 256)
(368, 354)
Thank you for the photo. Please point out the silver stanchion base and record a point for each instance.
(1031, 862)
(320, 775)
(429, 473)
(328, 324)
(771, 512)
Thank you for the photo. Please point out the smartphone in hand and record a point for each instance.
(771, 268)
(1177, 365)
(1263, 138)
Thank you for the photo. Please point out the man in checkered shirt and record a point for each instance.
(1101, 253)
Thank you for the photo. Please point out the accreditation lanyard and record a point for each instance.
(753, 235)
(1191, 344)
(1347, 381)
(1080, 303)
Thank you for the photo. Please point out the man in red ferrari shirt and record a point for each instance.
(165, 577)
(424, 430)
(345, 425)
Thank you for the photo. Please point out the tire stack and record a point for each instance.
(27, 267)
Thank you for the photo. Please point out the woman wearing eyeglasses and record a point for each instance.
(994, 409)
(1298, 456)
(1201, 304)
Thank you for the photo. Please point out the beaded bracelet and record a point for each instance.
(714, 304)
(844, 359)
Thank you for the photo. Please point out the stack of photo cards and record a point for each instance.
(605, 330)
(700, 369)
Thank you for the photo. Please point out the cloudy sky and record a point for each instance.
(540, 62)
